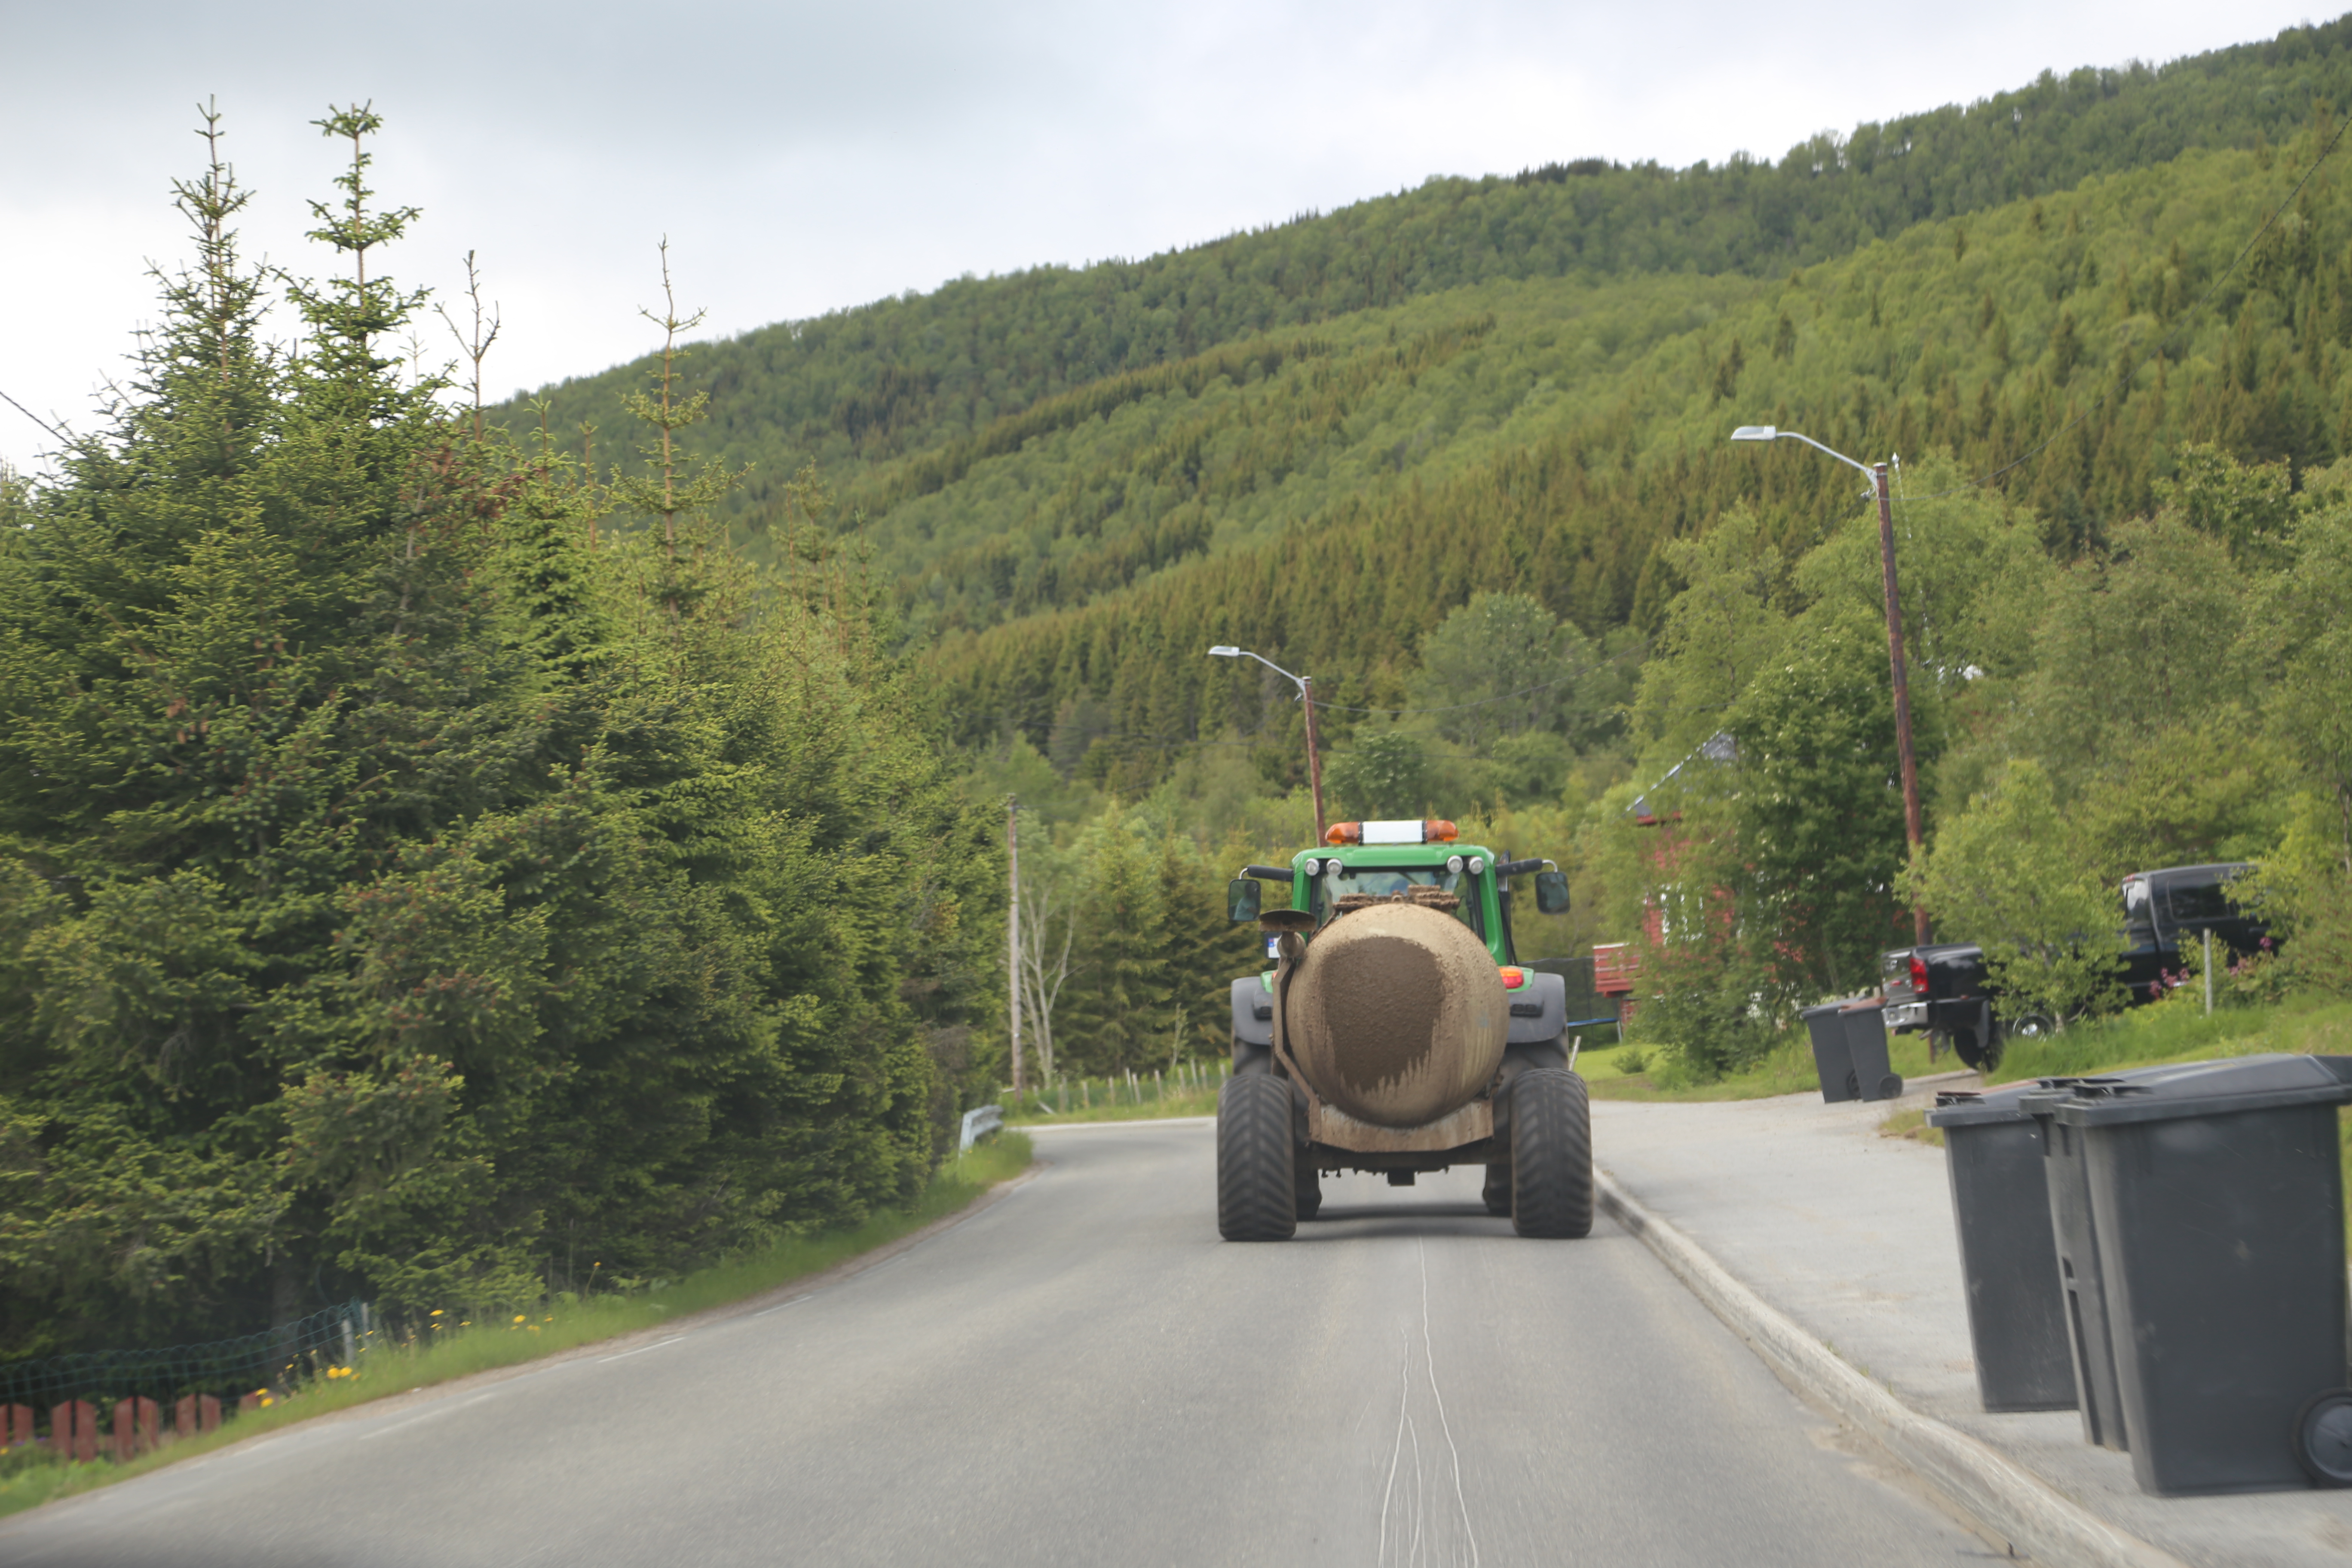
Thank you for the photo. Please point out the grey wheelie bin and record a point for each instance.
(2000, 1207)
(2083, 1296)
(1832, 1061)
(2217, 1201)
(2091, 1345)
(1865, 1047)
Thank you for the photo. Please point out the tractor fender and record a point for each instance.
(1254, 1011)
(1538, 1009)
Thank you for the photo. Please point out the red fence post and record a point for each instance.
(126, 1430)
(149, 1418)
(248, 1403)
(61, 1429)
(20, 1424)
(208, 1413)
(85, 1432)
(183, 1417)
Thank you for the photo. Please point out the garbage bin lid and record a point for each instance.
(1973, 1108)
(2209, 1088)
(2044, 1097)
(1839, 1005)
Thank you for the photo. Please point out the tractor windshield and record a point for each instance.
(1380, 881)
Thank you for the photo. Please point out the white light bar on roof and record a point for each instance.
(1394, 832)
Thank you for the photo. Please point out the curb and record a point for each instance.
(2006, 1498)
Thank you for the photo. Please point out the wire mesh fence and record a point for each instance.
(274, 1358)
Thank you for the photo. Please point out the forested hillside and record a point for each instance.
(858, 389)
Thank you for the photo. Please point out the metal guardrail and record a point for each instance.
(978, 1123)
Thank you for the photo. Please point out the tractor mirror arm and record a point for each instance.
(1268, 873)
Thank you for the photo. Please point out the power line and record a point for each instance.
(33, 416)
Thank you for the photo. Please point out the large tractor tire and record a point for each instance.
(1257, 1192)
(1307, 1188)
(1497, 1193)
(1551, 1154)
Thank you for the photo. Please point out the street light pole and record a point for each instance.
(1905, 759)
(1012, 927)
(1305, 685)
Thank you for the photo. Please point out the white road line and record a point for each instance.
(643, 1349)
(424, 1416)
(780, 1306)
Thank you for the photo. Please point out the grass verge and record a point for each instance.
(1178, 1103)
(1644, 1072)
(29, 1476)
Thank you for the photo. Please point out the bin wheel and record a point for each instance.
(2323, 1438)
(1891, 1086)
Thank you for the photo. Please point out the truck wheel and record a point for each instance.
(1306, 1188)
(1983, 1056)
(1257, 1195)
(1551, 1154)
(1498, 1191)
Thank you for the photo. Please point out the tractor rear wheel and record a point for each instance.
(1257, 1195)
(1551, 1154)
(1497, 1189)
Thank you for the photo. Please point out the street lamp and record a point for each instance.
(1876, 473)
(1305, 685)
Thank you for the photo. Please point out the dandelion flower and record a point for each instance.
(518, 1317)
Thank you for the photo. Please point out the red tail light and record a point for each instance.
(1918, 974)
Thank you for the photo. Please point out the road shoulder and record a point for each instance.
(1831, 1250)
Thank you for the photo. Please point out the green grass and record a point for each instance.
(28, 1479)
(1191, 1092)
(1787, 1068)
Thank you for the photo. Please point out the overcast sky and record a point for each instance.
(805, 157)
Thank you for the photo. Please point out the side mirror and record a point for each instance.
(1241, 900)
(1551, 892)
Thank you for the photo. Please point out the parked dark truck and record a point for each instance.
(1942, 988)
(1396, 1032)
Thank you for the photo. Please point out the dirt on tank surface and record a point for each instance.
(1397, 1014)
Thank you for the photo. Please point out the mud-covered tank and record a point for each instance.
(1397, 1014)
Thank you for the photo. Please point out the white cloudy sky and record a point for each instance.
(802, 157)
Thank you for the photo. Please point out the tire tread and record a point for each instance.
(1257, 1193)
(1551, 1154)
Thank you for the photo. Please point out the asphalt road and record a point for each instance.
(1082, 1374)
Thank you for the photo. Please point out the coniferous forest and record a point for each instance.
(450, 847)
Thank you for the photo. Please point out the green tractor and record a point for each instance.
(1397, 1031)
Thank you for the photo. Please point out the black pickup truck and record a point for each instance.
(1940, 987)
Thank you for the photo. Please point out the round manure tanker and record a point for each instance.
(1397, 1014)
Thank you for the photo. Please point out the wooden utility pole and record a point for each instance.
(1313, 754)
(1012, 927)
(1909, 764)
